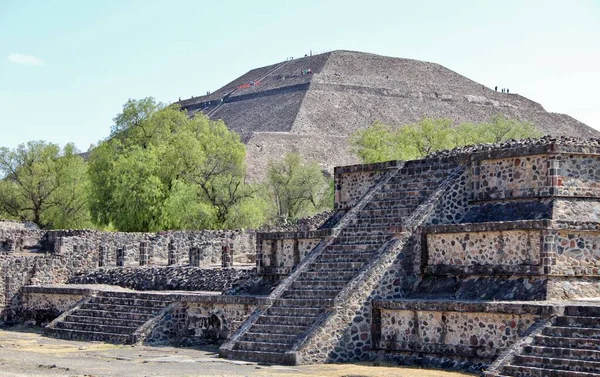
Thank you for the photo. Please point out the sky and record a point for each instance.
(67, 67)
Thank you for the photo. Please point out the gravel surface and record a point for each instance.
(26, 353)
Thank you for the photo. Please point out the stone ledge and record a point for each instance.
(321, 233)
(512, 152)
(542, 308)
(488, 226)
(367, 167)
(550, 148)
(486, 270)
(437, 348)
(273, 270)
(54, 290)
(537, 193)
(426, 164)
(576, 225)
(205, 297)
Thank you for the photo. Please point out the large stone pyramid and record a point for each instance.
(281, 107)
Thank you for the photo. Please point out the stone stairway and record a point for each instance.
(112, 317)
(300, 308)
(570, 347)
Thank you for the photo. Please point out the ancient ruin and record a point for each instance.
(484, 258)
(281, 108)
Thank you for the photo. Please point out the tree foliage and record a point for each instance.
(44, 184)
(381, 142)
(297, 188)
(164, 170)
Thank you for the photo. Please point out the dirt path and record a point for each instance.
(26, 353)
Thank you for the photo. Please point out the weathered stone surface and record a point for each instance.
(410, 268)
(175, 278)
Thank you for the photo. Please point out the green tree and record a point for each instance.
(297, 188)
(501, 129)
(44, 184)
(380, 142)
(427, 136)
(164, 170)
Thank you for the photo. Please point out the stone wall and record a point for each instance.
(193, 319)
(353, 182)
(242, 243)
(507, 248)
(279, 252)
(510, 177)
(41, 305)
(548, 248)
(15, 239)
(17, 225)
(575, 253)
(165, 278)
(41, 268)
(197, 320)
(454, 332)
(578, 175)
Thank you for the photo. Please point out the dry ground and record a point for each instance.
(25, 352)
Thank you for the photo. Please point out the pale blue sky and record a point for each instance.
(67, 67)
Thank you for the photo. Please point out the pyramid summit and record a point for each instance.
(311, 105)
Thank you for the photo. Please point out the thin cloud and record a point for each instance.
(25, 59)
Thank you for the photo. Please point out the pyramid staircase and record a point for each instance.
(270, 335)
(568, 347)
(112, 317)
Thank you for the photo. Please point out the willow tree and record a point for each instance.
(161, 169)
(381, 142)
(44, 184)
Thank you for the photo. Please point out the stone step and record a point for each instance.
(403, 193)
(113, 314)
(412, 181)
(279, 358)
(278, 329)
(386, 214)
(348, 248)
(133, 295)
(129, 302)
(572, 332)
(524, 371)
(344, 257)
(580, 343)
(319, 284)
(578, 321)
(327, 275)
(109, 329)
(310, 293)
(382, 231)
(364, 240)
(103, 321)
(366, 221)
(251, 336)
(89, 336)
(335, 266)
(302, 312)
(557, 363)
(584, 311)
(285, 320)
(396, 203)
(261, 346)
(120, 308)
(304, 302)
(562, 353)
